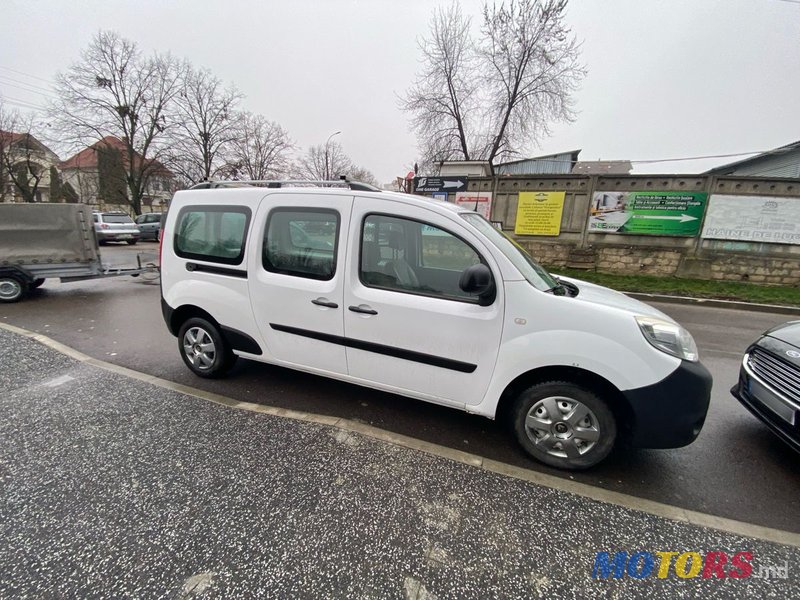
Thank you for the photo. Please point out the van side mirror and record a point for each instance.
(477, 280)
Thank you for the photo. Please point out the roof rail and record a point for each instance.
(279, 183)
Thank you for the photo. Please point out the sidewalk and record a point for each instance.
(113, 487)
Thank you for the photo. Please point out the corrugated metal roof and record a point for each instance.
(780, 162)
(607, 167)
(550, 164)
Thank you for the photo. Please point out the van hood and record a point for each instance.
(597, 294)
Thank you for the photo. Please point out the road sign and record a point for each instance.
(440, 184)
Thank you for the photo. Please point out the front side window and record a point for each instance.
(414, 257)
(212, 233)
(301, 242)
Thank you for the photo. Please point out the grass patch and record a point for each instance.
(696, 288)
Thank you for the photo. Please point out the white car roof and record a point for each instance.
(252, 195)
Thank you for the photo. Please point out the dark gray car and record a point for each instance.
(769, 381)
(150, 226)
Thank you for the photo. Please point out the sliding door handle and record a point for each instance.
(363, 309)
(325, 302)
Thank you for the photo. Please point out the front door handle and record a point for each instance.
(324, 302)
(363, 309)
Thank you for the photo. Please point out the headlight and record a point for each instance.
(669, 337)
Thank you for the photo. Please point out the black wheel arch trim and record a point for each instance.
(238, 340)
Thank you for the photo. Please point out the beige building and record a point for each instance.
(24, 159)
(82, 172)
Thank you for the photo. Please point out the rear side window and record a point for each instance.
(301, 242)
(212, 233)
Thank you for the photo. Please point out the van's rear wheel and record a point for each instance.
(204, 350)
(564, 425)
(12, 288)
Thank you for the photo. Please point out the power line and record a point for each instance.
(23, 103)
(28, 86)
(660, 160)
(19, 87)
(25, 74)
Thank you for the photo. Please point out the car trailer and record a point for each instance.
(42, 241)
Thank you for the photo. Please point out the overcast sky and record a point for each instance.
(674, 78)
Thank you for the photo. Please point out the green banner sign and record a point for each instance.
(647, 213)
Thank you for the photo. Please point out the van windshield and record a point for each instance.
(530, 269)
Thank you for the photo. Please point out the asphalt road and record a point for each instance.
(736, 468)
(150, 493)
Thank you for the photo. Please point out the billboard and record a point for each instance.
(480, 202)
(539, 213)
(753, 219)
(647, 213)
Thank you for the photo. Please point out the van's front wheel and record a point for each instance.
(564, 425)
(204, 350)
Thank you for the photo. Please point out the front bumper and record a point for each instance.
(670, 413)
(769, 407)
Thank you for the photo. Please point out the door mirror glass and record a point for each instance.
(477, 280)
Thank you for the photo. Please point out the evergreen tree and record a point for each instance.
(56, 191)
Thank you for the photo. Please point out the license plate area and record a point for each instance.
(777, 406)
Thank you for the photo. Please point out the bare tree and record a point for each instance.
(362, 175)
(534, 71)
(205, 126)
(444, 95)
(114, 91)
(329, 162)
(496, 95)
(324, 162)
(22, 159)
(259, 150)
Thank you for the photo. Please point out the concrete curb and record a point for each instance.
(652, 507)
(711, 303)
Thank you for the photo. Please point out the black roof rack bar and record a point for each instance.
(278, 183)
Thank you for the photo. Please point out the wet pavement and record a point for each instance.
(736, 468)
(116, 488)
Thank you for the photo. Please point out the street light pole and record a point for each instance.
(327, 148)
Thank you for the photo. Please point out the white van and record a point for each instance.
(423, 298)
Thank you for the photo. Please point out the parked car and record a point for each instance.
(429, 300)
(115, 227)
(769, 381)
(150, 226)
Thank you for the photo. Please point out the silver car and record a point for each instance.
(115, 227)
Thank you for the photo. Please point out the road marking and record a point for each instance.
(58, 381)
(652, 507)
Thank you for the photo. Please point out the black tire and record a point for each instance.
(36, 283)
(131, 242)
(158, 236)
(577, 428)
(12, 288)
(204, 364)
